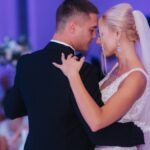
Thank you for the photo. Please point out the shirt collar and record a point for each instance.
(63, 43)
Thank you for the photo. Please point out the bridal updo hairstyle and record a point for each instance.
(120, 17)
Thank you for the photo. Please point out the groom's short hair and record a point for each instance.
(70, 8)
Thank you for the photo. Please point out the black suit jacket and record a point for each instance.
(42, 92)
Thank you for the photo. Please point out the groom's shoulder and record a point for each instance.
(88, 68)
(87, 65)
(32, 55)
(30, 58)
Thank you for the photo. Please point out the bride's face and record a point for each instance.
(107, 39)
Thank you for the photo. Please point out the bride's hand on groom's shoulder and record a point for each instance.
(70, 66)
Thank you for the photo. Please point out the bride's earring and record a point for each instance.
(119, 49)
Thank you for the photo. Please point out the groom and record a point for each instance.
(43, 93)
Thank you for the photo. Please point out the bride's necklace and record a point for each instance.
(114, 75)
(111, 78)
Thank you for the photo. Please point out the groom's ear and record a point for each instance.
(71, 26)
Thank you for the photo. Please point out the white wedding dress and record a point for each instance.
(135, 111)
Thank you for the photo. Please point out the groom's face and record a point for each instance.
(85, 32)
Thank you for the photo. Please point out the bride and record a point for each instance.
(125, 33)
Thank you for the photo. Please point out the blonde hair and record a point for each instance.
(120, 18)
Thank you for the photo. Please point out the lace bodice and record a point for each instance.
(135, 112)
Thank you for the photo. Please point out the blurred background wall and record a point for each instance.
(36, 19)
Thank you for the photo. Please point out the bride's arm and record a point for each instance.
(100, 117)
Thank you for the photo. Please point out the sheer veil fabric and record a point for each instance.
(143, 51)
